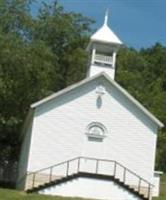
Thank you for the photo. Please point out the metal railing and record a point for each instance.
(90, 165)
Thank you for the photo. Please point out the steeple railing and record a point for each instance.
(103, 59)
(111, 168)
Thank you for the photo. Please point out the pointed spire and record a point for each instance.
(106, 18)
(105, 34)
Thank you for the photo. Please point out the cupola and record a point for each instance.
(103, 47)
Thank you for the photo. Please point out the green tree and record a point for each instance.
(42, 54)
(38, 56)
(143, 74)
(66, 34)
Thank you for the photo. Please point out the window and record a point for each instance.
(96, 130)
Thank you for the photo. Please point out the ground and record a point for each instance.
(16, 195)
(162, 189)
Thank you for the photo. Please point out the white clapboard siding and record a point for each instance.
(59, 130)
(95, 69)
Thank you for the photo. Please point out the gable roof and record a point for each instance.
(114, 83)
(106, 35)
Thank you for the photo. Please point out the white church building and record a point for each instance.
(91, 139)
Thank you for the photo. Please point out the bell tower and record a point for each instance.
(103, 47)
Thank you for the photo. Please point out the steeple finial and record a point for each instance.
(106, 18)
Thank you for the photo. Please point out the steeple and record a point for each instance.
(103, 47)
(106, 18)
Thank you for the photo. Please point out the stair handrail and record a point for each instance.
(43, 169)
(90, 158)
(140, 179)
(107, 160)
(52, 166)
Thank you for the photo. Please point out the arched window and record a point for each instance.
(96, 130)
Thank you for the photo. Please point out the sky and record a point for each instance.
(138, 23)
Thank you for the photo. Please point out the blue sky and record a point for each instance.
(138, 23)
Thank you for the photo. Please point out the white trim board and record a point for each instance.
(114, 83)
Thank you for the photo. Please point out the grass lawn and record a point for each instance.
(162, 188)
(6, 194)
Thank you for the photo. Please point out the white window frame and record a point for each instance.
(97, 136)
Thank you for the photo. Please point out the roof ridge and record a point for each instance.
(113, 82)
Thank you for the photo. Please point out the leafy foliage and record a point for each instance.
(38, 55)
(42, 54)
(143, 74)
